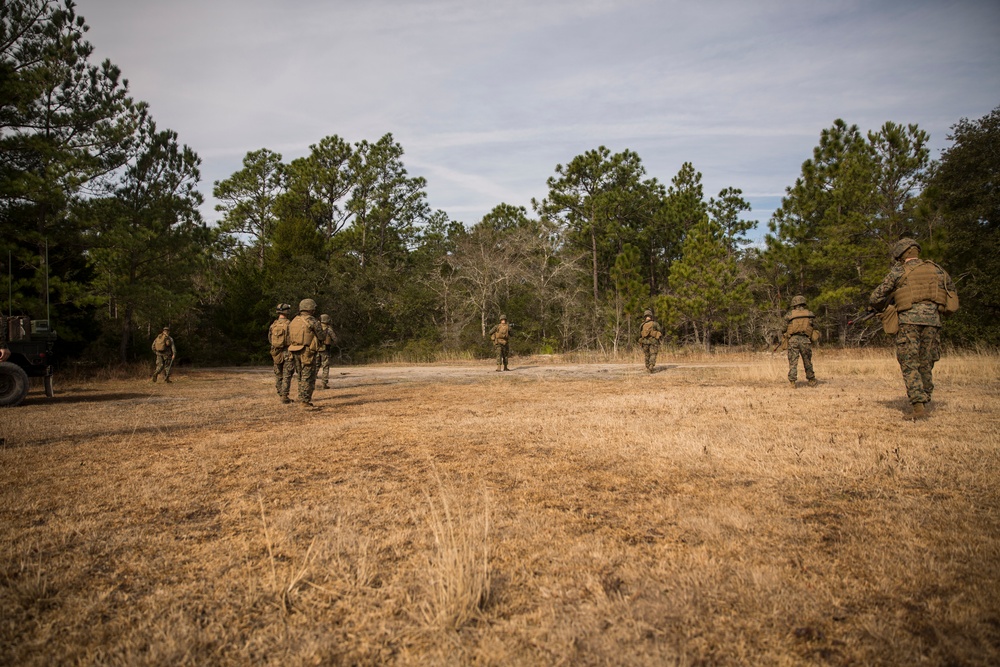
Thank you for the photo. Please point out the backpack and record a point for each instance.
(648, 330)
(301, 334)
(500, 337)
(278, 335)
(161, 343)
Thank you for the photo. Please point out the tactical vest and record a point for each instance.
(923, 282)
(278, 334)
(300, 333)
(648, 330)
(162, 343)
(500, 337)
(800, 321)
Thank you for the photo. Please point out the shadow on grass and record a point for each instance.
(64, 399)
(338, 403)
(903, 404)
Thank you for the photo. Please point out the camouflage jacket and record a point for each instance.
(924, 313)
(329, 337)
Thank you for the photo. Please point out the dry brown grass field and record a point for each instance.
(560, 514)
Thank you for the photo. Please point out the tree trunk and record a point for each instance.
(126, 333)
(593, 246)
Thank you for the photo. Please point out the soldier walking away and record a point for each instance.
(329, 338)
(284, 366)
(500, 335)
(304, 333)
(650, 334)
(165, 350)
(919, 291)
(800, 333)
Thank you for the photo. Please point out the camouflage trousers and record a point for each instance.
(503, 351)
(918, 347)
(323, 357)
(284, 368)
(163, 364)
(650, 350)
(800, 346)
(305, 368)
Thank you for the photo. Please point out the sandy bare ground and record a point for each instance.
(555, 514)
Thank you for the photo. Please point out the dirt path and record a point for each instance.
(392, 374)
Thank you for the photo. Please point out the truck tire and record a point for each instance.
(13, 384)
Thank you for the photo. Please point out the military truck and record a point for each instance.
(32, 346)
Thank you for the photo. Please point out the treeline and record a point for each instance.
(100, 211)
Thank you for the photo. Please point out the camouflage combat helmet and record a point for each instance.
(902, 245)
(307, 304)
(647, 313)
(798, 301)
(284, 308)
(166, 327)
(325, 319)
(503, 317)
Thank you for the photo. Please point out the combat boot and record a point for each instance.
(285, 399)
(153, 379)
(813, 382)
(167, 380)
(792, 382)
(919, 412)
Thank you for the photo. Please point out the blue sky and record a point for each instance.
(486, 98)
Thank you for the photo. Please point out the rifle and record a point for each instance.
(862, 318)
(783, 341)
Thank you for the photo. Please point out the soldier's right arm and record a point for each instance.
(879, 298)
(949, 284)
(317, 328)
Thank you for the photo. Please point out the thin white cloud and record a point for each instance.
(487, 97)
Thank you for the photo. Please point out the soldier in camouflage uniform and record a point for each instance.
(284, 365)
(329, 338)
(800, 331)
(165, 350)
(500, 335)
(650, 334)
(304, 334)
(920, 291)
